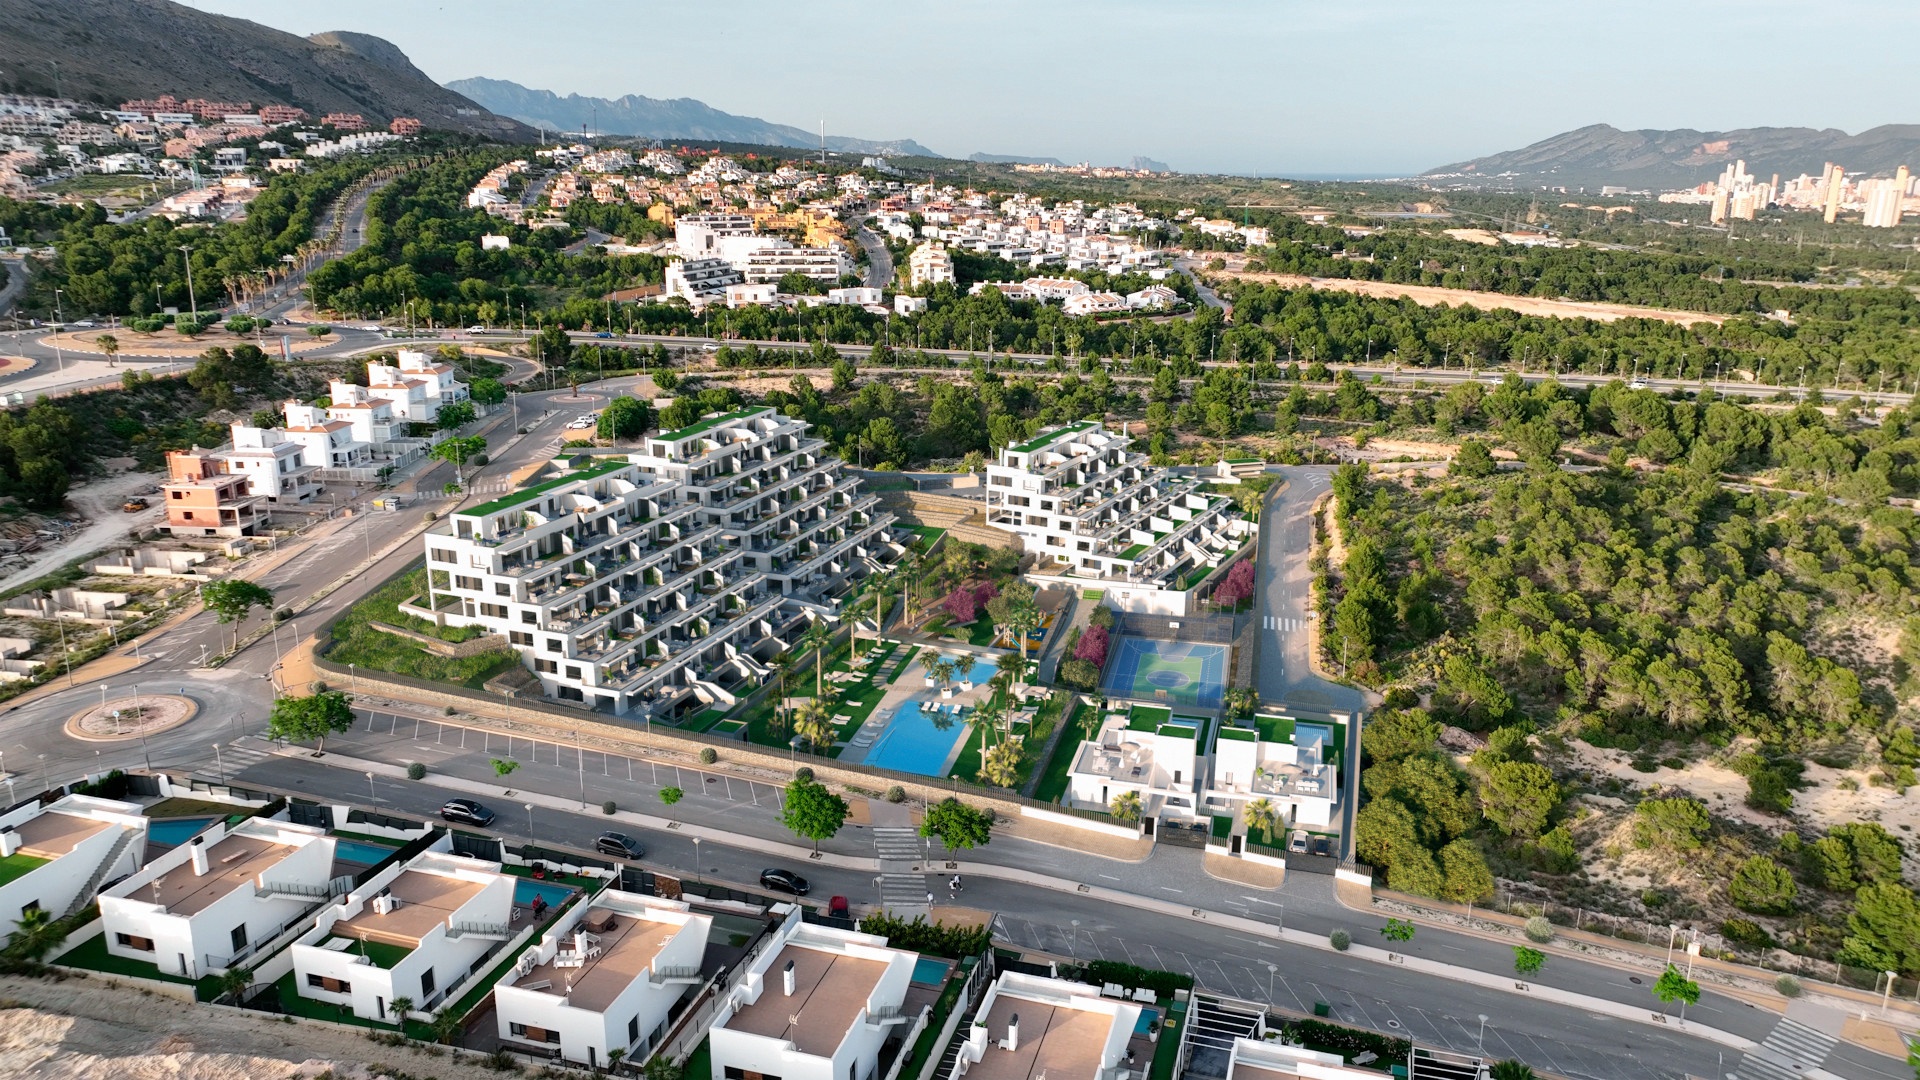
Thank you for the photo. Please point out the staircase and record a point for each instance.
(951, 1054)
(81, 898)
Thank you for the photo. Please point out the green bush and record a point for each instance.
(671, 795)
(1746, 932)
(708, 755)
(416, 770)
(1340, 940)
(1788, 986)
(939, 939)
(896, 794)
(803, 775)
(1099, 972)
(609, 807)
(1539, 930)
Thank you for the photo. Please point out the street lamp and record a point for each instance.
(371, 793)
(1272, 970)
(529, 807)
(186, 259)
(696, 858)
(221, 762)
(1482, 1042)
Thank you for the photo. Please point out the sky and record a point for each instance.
(1274, 87)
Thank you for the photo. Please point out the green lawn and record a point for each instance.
(759, 720)
(92, 955)
(179, 807)
(1044, 721)
(1274, 729)
(1147, 717)
(357, 643)
(18, 865)
(699, 1064)
(379, 953)
(926, 537)
(1167, 1051)
(1054, 780)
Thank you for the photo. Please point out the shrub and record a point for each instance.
(896, 794)
(708, 755)
(1539, 930)
(803, 774)
(1788, 986)
(448, 711)
(1746, 932)
(319, 686)
(671, 795)
(609, 807)
(1092, 647)
(283, 614)
(416, 770)
(478, 460)
(1340, 939)
(1763, 887)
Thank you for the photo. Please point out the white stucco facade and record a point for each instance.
(72, 846)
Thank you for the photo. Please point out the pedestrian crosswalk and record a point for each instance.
(242, 752)
(1788, 1051)
(903, 891)
(894, 844)
(1282, 623)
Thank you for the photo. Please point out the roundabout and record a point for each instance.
(132, 717)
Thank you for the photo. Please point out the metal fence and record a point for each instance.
(1199, 629)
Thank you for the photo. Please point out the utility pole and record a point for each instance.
(186, 258)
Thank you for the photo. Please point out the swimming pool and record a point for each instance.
(175, 831)
(1145, 1023)
(360, 852)
(928, 971)
(526, 890)
(915, 741)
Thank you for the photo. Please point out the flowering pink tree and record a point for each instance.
(1093, 646)
(1238, 584)
(984, 592)
(961, 606)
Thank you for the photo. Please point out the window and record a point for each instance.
(528, 618)
(573, 671)
(518, 638)
(426, 984)
(501, 588)
(329, 984)
(633, 1031)
(238, 937)
(533, 1034)
(547, 667)
(177, 494)
(128, 941)
(553, 644)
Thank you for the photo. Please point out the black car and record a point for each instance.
(467, 812)
(618, 845)
(1322, 846)
(785, 881)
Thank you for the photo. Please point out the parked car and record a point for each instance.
(603, 334)
(133, 506)
(785, 881)
(476, 329)
(1298, 843)
(1323, 846)
(467, 812)
(618, 845)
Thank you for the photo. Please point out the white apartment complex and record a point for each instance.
(1081, 496)
(700, 281)
(606, 977)
(215, 900)
(929, 264)
(662, 580)
(417, 931)
(732, 238)
(817, 1003)
(57, 856)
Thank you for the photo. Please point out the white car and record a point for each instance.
(476, 329)
(1637, 384)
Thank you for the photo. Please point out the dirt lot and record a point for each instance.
(84, 1029)
(1433, 296)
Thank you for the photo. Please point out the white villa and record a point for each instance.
(1030, 1026)
(816, 1004)
(55, 857)
(1149, 752)
(214, 901)
(1080, 496)
(417, 930)
(604, 978)
(1276, 760)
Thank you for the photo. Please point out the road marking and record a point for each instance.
(1171, 889)
(1109, 877)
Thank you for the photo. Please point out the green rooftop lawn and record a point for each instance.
(1039, 441)
(1237, 734)
(507, 502)
(1147, 717)
(1274, 729)
(380, 953)
(1181, 731)
(708, 424)
(1132, 551)
(1196, 576)
(18, 865)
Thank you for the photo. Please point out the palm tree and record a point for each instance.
(234, 981)
(1126, 807)
(941, 670)
(963, 666)
(111, 346)
(1259, 814)
(1510, 1070)
(816, 639)
(815, 723)
(782, 668)
(400, 1007)
(1015, 667)
(613, 1059)
(447, 1026)
(1000, 766)
(34, 935)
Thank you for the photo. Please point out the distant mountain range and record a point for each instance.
(658, 118)
(109, 51)
(1601, 154)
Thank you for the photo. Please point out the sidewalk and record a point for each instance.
(994, 871)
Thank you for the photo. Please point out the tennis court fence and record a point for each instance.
(1199, 629)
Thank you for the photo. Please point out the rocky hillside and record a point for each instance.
(1601, 154)
(658, 118)
(109, 51)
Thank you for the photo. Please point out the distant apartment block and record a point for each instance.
(405, 126)
(701, 281)
(343, 121)
(212, 902)
(929, 264)
(202, 500)
(1080, 497)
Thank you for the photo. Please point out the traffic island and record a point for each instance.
(131, 718)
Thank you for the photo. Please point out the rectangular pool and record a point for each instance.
(176, 831)
(360, 852)
(917, 741)
(928, 971)
(526, 890)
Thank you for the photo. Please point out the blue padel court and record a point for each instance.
(1176, 672)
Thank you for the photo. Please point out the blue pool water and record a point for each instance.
(928, 971)
(526, 889)
(914, 743)
(360, 852)
(175, 831)
(1147, 1017)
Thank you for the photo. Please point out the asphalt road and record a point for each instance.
(879, 258)
(1431, 1009)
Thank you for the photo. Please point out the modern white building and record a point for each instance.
(701, 281)
(1095, 303)
(817, 1003)
(417, 931)
(55, 857)
(1081, 497)
(324, 442)
(606, 977)
(1272, 1059)
(662, 580)
(1031, 1026)
(1147, 751)
(777, 258)
(1277, 759)
(929, 264)
(415, 386)
(275, 465)
(215, 900)
(701, 236)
